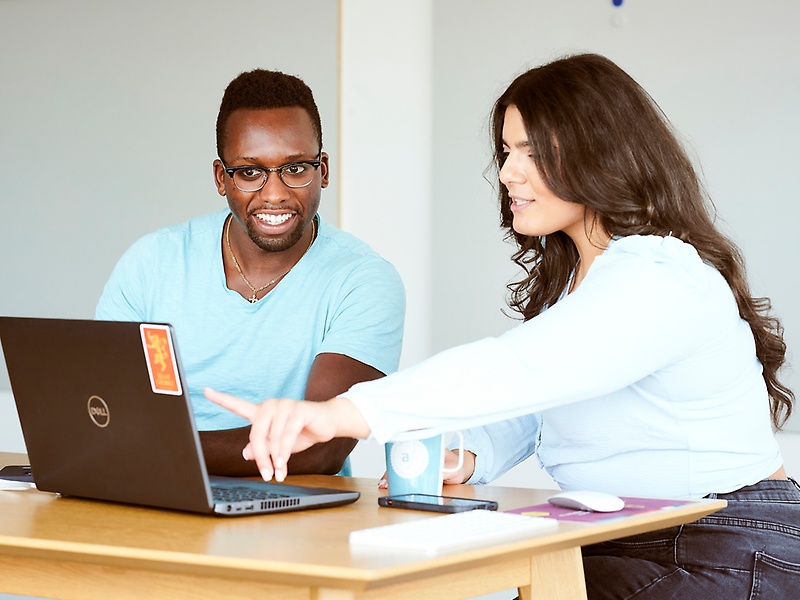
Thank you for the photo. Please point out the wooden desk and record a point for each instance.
(71, 548)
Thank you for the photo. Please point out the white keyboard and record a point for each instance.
(452, 531)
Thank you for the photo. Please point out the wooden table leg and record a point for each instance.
(556, 576)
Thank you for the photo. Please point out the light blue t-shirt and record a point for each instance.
(341, 298)
(642, 382)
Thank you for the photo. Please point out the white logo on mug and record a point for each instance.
(410, 458)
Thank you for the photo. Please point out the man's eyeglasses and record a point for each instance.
(294, 174)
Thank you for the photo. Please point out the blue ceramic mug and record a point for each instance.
(417, 466)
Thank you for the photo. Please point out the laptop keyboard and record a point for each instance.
(243, 494)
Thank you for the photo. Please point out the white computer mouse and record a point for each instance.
(587, 500)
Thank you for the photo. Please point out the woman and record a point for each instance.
(643, 367)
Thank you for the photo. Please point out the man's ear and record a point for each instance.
(325, 169)
(219, 177)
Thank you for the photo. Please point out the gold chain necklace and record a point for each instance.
(254, 298)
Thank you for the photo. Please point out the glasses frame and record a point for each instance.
(315, 163)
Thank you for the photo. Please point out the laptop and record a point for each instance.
(105, 415)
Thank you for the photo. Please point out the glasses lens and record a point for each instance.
(249, 180)
(297, 174)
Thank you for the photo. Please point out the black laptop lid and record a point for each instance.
(101, 415)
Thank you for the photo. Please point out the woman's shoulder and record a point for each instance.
(654, 249)
(664, 261)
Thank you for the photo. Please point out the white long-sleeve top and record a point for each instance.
(644, 382)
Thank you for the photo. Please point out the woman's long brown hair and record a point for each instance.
(599, 139)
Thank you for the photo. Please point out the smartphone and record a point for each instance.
(444, 504)
(17, 473)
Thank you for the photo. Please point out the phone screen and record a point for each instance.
(436, 503)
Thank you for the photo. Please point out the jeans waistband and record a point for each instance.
(776, 489)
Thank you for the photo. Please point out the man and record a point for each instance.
(267, 300)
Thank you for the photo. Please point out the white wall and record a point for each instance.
(386, 121)
(726, 72)
(107, 131)
(107, 127)
(417, 82)
(10, 432)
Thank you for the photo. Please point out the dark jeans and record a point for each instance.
(749, 550)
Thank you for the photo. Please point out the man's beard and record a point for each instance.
(278, 244)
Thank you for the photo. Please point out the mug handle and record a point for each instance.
(460, 454)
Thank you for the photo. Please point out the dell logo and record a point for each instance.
(98, 411)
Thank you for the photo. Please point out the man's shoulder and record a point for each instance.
(343, 261)
(345, 245)
(169, 243)
(194, 228)
(200, 225)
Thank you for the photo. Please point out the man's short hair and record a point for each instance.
(260, 88)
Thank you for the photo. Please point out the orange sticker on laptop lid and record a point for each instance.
(160, 355)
